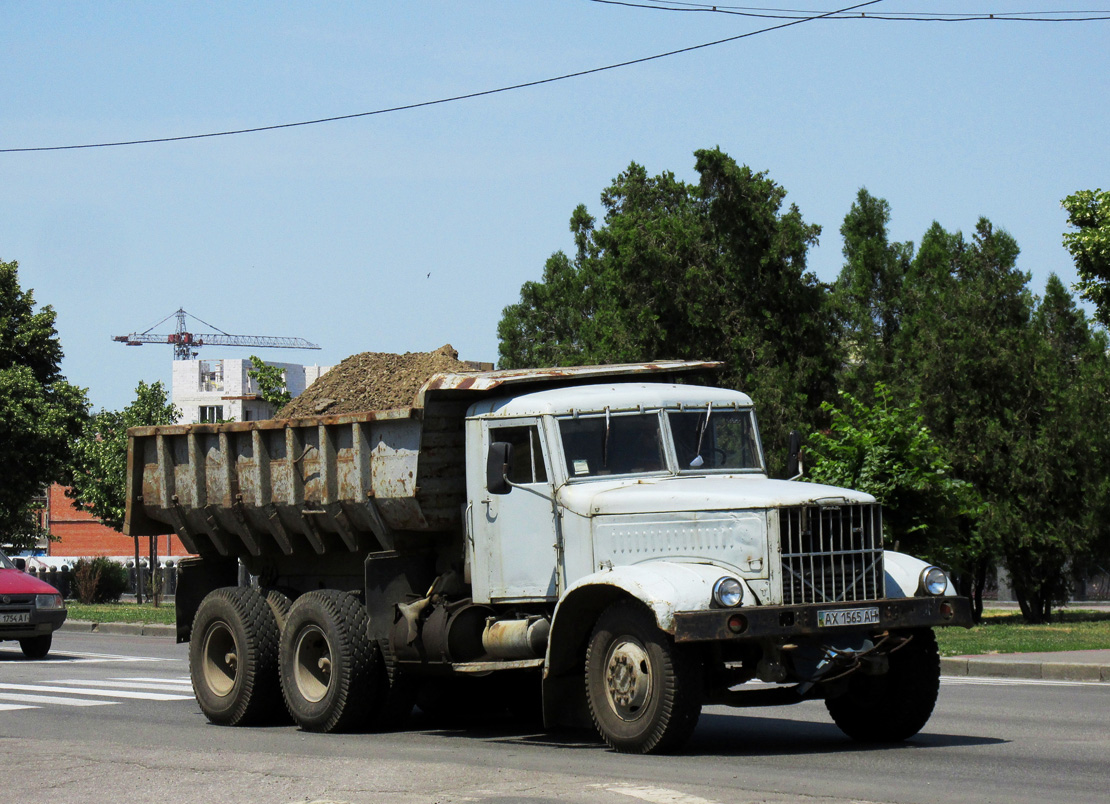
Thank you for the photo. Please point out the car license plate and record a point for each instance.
(829, 619)
(15, 617)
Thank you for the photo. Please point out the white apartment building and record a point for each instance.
(221, 390)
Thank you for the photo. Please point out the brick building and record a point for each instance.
(80, 534)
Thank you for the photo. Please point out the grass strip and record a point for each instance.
(1004, 631)
(122, 612)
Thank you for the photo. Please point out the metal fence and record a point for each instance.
(61, 578)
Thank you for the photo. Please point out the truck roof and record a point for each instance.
(616, 397)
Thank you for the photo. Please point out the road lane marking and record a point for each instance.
(51, 699)
(655, 795)
(127, 684)
(82, 657)
(143, 696)
(13, 707)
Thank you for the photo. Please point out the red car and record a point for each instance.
(30, 610)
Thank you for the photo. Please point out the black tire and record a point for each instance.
(279, 604)
(233, 656)
(644, 693)
(896, 705)
(330, 670)
(36, 647)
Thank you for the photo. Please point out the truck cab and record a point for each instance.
(653, 500)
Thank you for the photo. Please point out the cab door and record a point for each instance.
(514, 553)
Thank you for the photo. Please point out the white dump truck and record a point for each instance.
(602, 541)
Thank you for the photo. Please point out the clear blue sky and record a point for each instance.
(328, 232)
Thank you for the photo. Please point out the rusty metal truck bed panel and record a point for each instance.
(352, 482)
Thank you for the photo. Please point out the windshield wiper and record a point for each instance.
(698, 459)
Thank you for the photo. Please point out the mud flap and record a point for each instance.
(196, 577)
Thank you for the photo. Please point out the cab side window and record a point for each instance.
(528, 465)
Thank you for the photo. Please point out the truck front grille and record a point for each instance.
(831, 553)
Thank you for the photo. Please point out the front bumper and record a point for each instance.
(39, 624)
(762, 622)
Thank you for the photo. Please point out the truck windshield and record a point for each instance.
(612, 445)
(711, 439)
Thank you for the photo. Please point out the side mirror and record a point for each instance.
(793, 458)
(20, 564)
(499, 464)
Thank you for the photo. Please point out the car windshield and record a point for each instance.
(619, 444)
(5, 562)
(712, 439)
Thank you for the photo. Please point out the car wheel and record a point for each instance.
(36, 647)
(233, 657)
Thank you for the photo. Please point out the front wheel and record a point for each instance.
(644, 693)
(36, 647)
(892, 707)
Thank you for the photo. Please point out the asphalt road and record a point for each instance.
(137, 736)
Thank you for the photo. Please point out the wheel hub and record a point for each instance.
(220, 660)
(628, 680)
(312, 664)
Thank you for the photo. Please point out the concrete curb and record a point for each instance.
(125, 629)
(989, 667)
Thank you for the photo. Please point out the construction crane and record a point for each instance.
(186, 344)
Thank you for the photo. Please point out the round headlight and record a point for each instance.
(728, 592)
(934, 581)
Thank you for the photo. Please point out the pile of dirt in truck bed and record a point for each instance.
(372, 381)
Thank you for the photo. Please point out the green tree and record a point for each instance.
(713, 270)
(100, 453)
(867, 294)
(40, 412)
(271, 383)
(1054, 516)
(887, 450)
(963, 350)
(1089, 212)
(1012, 389)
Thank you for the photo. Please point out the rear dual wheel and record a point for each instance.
(233, 655)
(333, 676)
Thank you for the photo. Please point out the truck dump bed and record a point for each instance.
(356, 482)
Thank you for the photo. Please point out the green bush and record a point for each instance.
(99, 580)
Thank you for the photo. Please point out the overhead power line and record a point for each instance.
(889, 16)
(452, 99)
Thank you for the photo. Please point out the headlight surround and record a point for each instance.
(728, 592)
(49, 602)
(934, 581)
